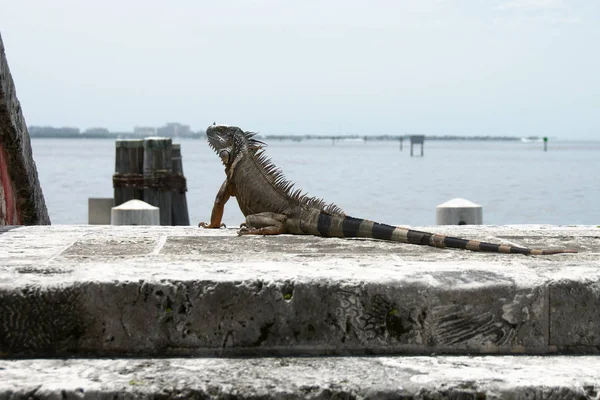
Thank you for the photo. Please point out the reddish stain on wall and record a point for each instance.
(9, 215)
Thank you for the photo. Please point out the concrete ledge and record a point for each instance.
(170, 291)
(298, 378)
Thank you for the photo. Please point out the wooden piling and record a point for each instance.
(129, 163)
(158, 167)
(179, 210)
(152, 170)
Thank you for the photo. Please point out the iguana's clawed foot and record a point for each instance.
(265, 230)
(244, 230)
(209, 226)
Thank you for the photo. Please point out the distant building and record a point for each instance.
(49, 131)
(144, 131)
(97, 131)
(174, 129)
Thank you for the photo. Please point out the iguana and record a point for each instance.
(273, 206)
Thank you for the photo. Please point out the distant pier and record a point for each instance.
(417, 139)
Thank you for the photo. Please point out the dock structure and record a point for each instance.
(172, 305)
(416, 139)
(21, 198)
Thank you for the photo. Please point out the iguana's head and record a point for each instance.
(230, 141)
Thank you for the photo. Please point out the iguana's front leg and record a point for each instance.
(266, 223)
(225, 192)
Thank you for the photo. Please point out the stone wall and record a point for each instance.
(21, 198)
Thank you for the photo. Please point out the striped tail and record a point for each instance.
(334, 226)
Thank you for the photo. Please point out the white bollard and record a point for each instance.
(135, 212)
(459, 212)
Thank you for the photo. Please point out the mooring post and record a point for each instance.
(179, 202)
(158, 167)
(459, 212)
(135, 212)
(401, 138)
(128, 179)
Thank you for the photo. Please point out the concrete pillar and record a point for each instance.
(99, 210)
(135, 212)
(21, 198)
(459, 212)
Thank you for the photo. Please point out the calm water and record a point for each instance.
(515, 182)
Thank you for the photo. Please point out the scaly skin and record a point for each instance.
(273, 207)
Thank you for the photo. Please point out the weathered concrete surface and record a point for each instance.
(21, 198)
(167, 291)
(554, 377)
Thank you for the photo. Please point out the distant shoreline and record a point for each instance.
(299, 138)
(177, 130)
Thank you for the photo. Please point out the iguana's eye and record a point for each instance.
(224, 154)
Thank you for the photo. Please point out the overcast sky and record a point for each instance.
(466, 67)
